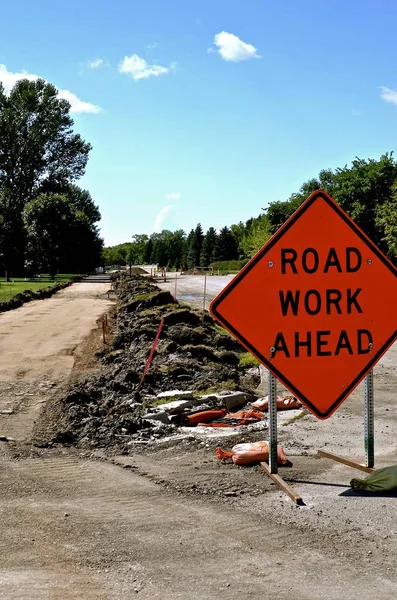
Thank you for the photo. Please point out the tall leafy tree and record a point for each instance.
(54, 226)
(148, 256)
(38, 152)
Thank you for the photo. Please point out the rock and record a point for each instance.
(173, 408)
(230, 400)
(157, 416)
(230, 493)
(178, 394)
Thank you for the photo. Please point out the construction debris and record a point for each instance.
(195, 368)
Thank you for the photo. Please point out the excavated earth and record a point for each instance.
(193, 353)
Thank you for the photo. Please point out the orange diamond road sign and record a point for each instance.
(316, 305)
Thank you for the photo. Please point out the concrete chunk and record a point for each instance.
(173, 408)
(157, 416)
(235, 400)
(230, 400)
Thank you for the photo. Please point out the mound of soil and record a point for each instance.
(193, 353)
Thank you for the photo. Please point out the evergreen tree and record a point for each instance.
(225, 246)
(194, 247)
(207, 249)
(149, 252)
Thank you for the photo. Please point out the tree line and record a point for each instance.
(47, 223)
(367, 190)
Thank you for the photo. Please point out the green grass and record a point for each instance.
(247, 360)
(12, 288)
(227, 386)
(8, 289)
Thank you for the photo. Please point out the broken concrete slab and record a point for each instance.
(175, 407)
(161, 416)
(230, 400)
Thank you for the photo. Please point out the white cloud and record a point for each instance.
(173, 196)
(77, 105)
(161, 216)
(231, 48)
(9, 79)
(138, 68)
(388, 95)
(96, 63)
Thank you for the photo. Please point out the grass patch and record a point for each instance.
(246, 360)
(10, 289)
(224, 386)
(223, 331)
(298, 417)
(160, 401)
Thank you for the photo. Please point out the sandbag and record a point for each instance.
(203, 416)
(381, 480)
(251, 453)
(287, 403)
(242, 417)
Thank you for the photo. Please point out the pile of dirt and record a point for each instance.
(136, 271)
(193, 353)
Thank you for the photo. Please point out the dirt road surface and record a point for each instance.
(177, 524)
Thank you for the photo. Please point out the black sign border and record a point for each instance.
(273, 240)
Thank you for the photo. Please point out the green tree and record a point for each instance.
(365, 190)
(59, 236)
(257, 234)
(38, 152)
(194, 248)
(225, 246)
(148, 257)
(207, 250)
(138, 248)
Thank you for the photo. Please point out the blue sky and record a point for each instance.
(207, 110)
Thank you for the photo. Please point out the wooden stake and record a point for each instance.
(345, 461)
(283, 485)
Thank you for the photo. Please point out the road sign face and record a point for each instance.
(316, 305)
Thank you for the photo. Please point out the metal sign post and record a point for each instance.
(272, 389)
(369, 420)
(205, 292)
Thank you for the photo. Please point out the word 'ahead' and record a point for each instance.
(315, 305)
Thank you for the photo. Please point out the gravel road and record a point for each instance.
(154, 525)
(190, 288)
